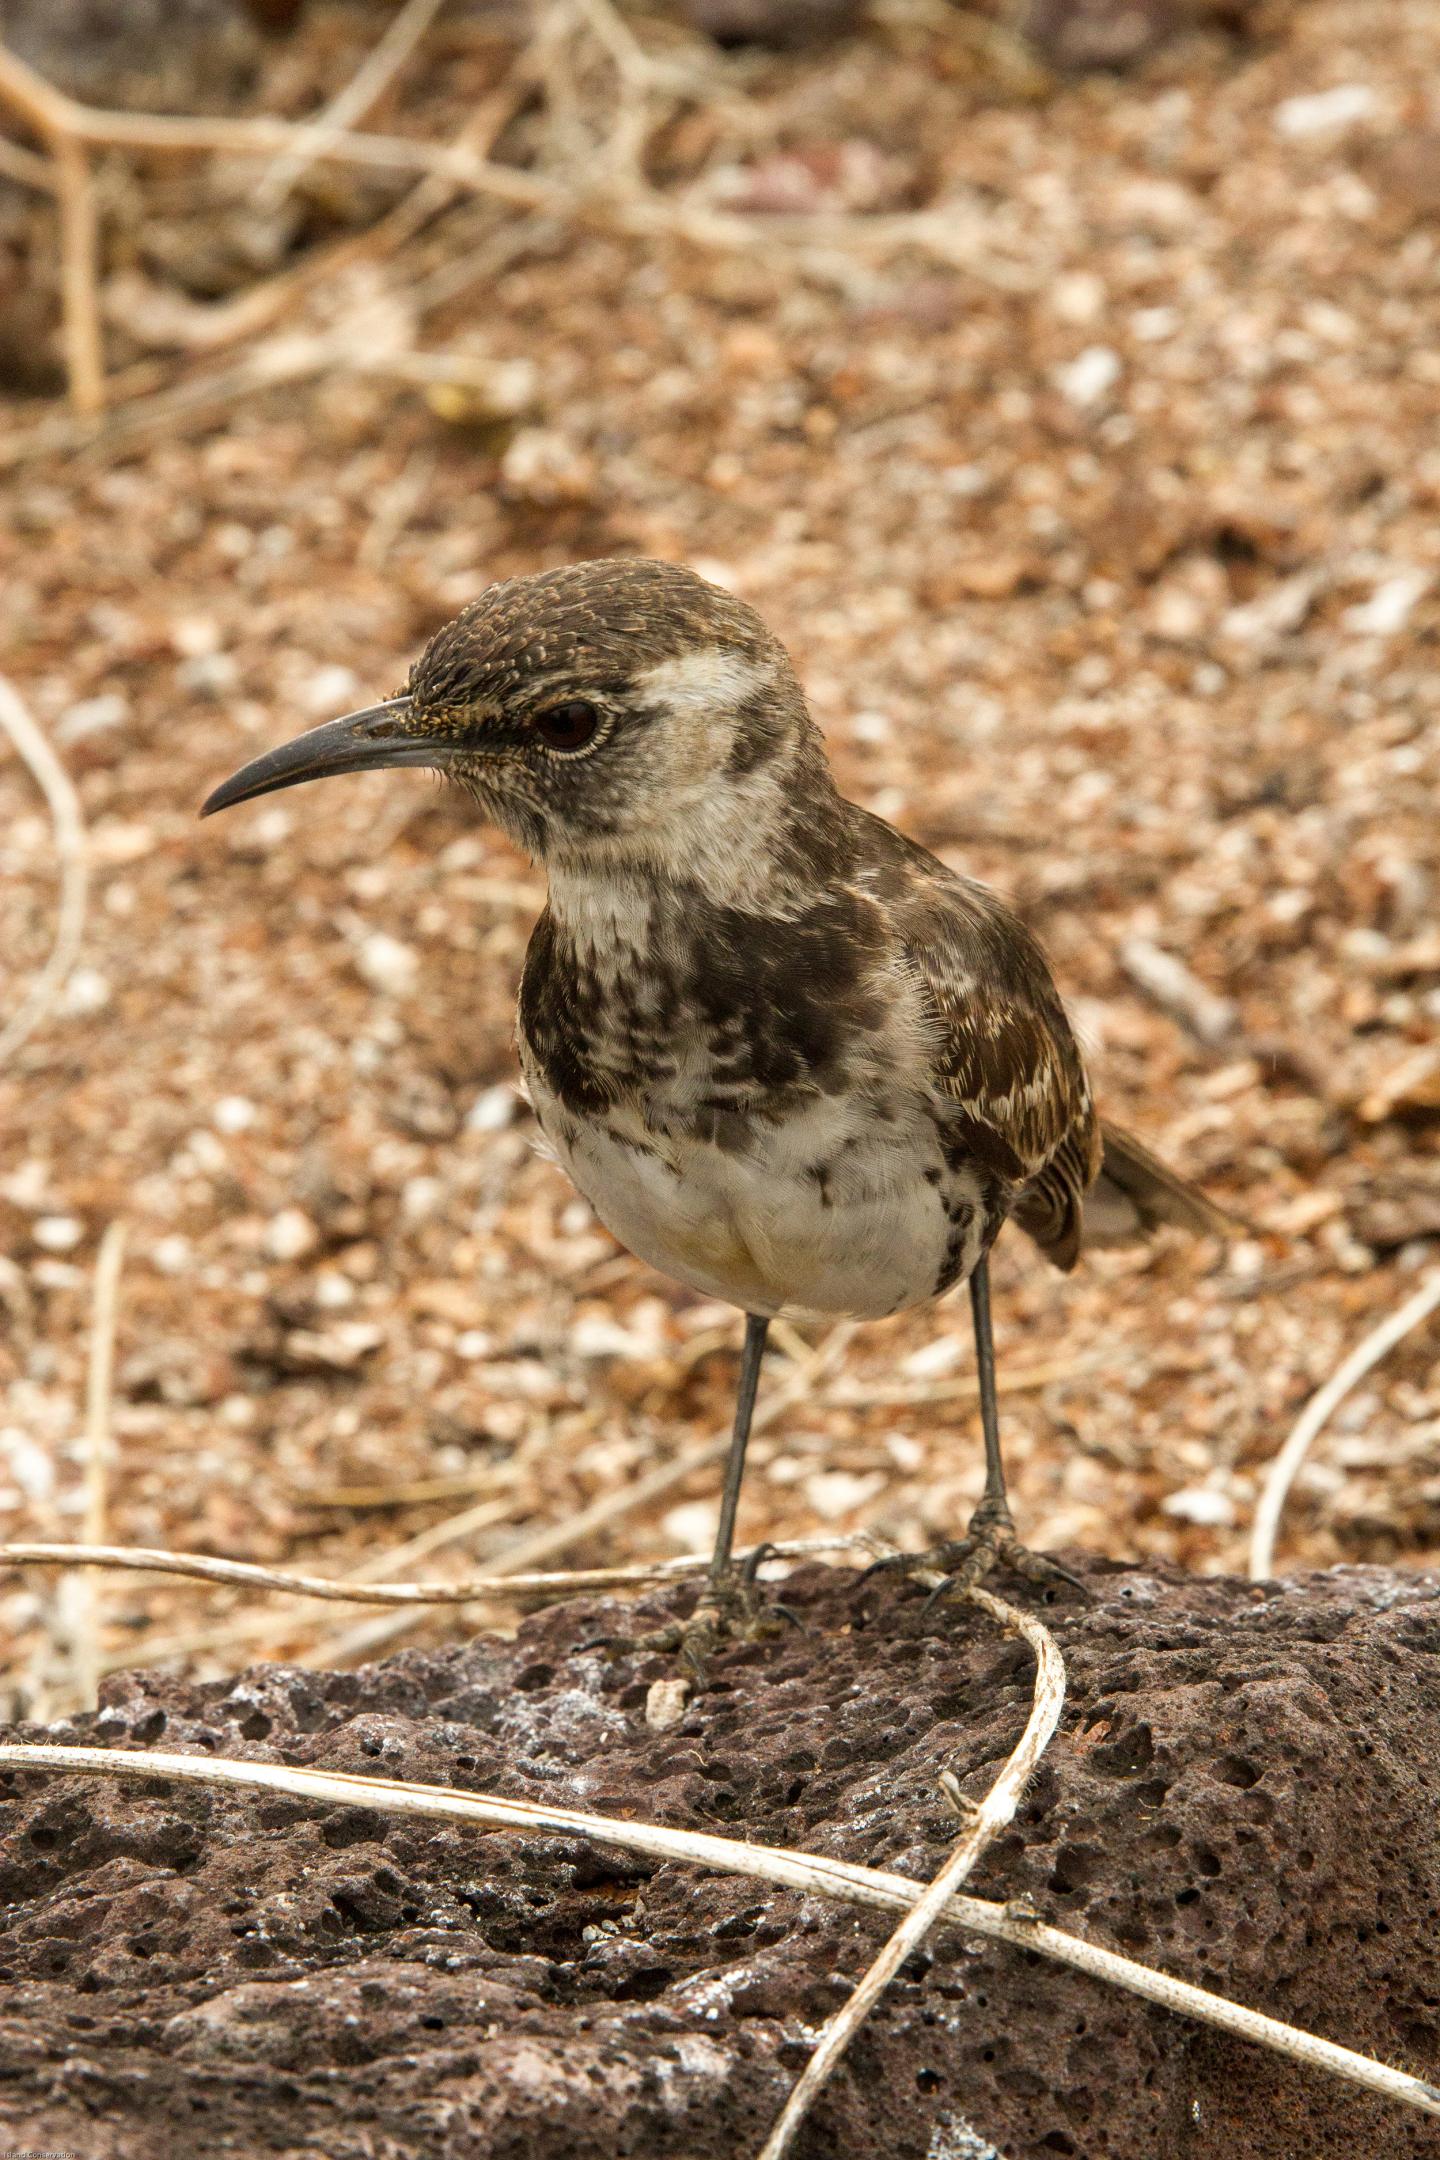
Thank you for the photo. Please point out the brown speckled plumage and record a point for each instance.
(788, 1056)
(851, 963)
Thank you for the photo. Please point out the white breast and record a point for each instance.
(828, 1211)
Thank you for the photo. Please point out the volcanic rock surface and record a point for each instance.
(1242, 1792)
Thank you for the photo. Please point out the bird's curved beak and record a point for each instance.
(361, 742)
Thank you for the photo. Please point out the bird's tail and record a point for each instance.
(1135, 1193)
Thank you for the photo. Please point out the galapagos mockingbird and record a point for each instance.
(787, 1055)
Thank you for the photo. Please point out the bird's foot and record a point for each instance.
(730, 1610)
(956, 1566)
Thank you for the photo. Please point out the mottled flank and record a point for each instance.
(789, 1057)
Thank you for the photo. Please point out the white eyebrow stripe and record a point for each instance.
(700, 681)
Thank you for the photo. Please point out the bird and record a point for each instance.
(788, 1057)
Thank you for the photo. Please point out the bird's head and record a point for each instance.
(602, 712)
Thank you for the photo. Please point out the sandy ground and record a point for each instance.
(1109, 554)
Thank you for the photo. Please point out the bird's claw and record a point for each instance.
(988, 1543)
(731, 1610)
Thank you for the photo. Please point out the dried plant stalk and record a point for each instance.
(986, 1820)
(99, 1449)
(69, 827)
(364, 90)
(620, 201)
(1283, 1471)
(352, 1590)
(25, 168)
(80, 277)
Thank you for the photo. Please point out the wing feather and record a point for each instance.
(1008, 1070)
(1005, 1056)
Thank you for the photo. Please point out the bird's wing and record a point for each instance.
(1008, 1068)
(1004, 1057)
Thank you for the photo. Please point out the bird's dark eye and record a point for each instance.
(569, 726)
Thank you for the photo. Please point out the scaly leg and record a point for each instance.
(728, 1603)
(990, 1539)
(751, 1358)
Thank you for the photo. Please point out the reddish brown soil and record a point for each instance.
(1108, 552)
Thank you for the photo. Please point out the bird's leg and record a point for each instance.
(728, 1604)
(990, 1539)
(751, 1358)
(992, 1517)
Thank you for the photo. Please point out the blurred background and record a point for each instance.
(1060, 381)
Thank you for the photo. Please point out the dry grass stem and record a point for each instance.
(40, 105)
(806, 1872)
(602, 1514)
(80, 277)
(25, 168)
(485, 1514)
(250, 1628)
(65, 816)
(258, 135)
(356, 1590)
(957, 1387)
(1282, 1472)
(100, 1379)
(825, 244)
(51, 115)
(984, 1821)
(415, 1493)
(99, 1451)
(364, 90)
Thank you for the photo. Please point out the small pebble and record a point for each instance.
(1323, 110)
(665, 1703)
(1087, 378)
(1201, 1504)
(234, 1113)
(58, 1233)
(92, 716)
(333, 689)
(940, 1356)
(290, 1235)
(493, 1110)
(86, 992)
(387, 965)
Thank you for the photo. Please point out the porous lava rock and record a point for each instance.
(1242, 1792)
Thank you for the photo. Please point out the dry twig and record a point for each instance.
(415, 1493)
(364, 90)
(99, 1450)
(602, 1513)
(812, 1872)
(958, 1387)
(51, 115)
(983, 1823)
(826, 244)
(64, 806)
(1282, 1472)
(24, 167)
(354, 1590)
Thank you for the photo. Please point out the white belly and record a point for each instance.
(761, 1227)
